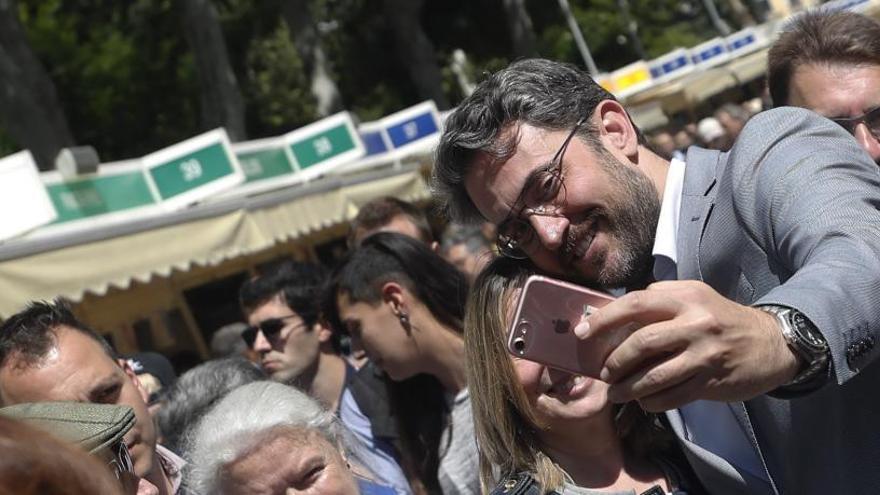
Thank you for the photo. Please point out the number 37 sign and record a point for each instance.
(193, 169)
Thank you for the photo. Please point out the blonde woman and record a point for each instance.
(547, 431)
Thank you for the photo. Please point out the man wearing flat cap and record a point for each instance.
(46, 354)
(98, 429)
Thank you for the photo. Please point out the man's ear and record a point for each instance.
(126, 368)
(325, 333)
(393, 295)
(616, 129)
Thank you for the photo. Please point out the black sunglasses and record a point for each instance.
(270, 327)
(871, 119)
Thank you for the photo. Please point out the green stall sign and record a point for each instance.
(192, 170)
(99, 195)
(323, 146)
(264, 164)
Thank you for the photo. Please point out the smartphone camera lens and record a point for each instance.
(522, 330)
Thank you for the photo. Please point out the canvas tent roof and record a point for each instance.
(97, 257)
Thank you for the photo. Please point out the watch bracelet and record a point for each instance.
(814, 370)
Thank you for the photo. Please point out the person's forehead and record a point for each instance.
(288, 449)
(82, 351)
(458, 252)
(836, 90)
(273, 308)
(71, 370)
(401, 224)
(349, 309)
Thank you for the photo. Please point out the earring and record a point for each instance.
(404, 318)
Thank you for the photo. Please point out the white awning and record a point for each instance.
(70, 264)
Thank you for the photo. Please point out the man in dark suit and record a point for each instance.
(752, 275)
(829, 62)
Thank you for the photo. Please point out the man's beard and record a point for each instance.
(631, 221)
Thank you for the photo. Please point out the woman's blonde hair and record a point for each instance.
(506, 427)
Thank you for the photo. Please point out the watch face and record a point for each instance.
(807, 332)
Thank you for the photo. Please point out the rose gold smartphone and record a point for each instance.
(543, 326)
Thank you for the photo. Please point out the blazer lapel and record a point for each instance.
(702, 171)
(712, 470)
(742, 417)
(698, 195)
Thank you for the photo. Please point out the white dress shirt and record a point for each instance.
(709, 424)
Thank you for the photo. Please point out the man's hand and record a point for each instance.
(689, 343)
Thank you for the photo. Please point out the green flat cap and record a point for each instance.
(90, 426)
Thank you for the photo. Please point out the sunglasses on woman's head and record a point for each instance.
(270, 327)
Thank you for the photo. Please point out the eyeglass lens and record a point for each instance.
(121, 461)
(515, 233)
(270, 327)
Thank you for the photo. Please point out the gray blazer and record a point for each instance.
(790, 216)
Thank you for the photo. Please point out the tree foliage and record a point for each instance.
(126, 76)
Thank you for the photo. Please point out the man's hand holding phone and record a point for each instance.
(688, 343)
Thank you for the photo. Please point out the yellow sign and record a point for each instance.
(606, 82)
(632, 77)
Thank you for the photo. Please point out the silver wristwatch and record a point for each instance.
(805, 339)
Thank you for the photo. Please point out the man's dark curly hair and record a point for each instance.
(30, 334)
(298, 283)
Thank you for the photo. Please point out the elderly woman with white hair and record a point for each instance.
(266, 438)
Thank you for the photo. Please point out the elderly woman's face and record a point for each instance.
(295, 461)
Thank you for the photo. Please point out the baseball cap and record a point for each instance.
(155, 372)
(154, 364)
(92, 427)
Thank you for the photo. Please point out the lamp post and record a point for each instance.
(632, 28)
(579, 38)
(716, 19)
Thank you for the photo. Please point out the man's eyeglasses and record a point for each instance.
(539, 196)
(270, 327)
(871, 119)
(119, 459)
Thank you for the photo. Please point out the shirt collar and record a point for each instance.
(665, 257)
(173, 466)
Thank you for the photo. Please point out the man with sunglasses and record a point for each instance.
(829, 62)
(46, 354)
(296, 347)
(751, 276)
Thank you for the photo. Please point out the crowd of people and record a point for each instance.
(745, 277)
